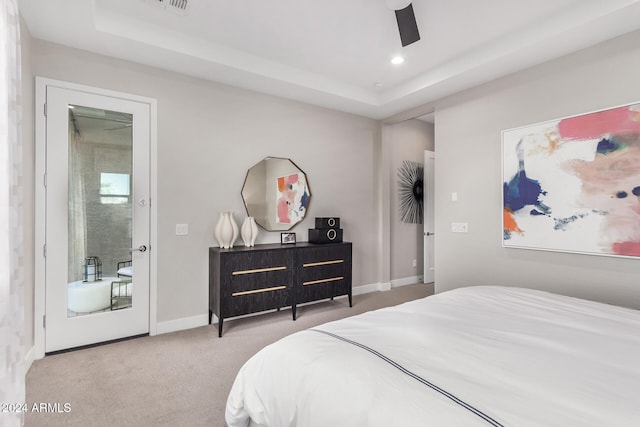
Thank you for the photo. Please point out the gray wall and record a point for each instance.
(408, 140)
(468, 142)
(208, 136)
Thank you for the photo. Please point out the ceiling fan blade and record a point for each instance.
(407, 25)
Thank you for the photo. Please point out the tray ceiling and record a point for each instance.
(335, 53)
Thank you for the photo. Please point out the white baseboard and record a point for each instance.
(200, 320)
(406, 281)
(28, 359)
(181, 324)
(373, 287)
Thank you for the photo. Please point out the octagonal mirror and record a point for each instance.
(276, 193)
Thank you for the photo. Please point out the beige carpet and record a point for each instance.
(176, 379)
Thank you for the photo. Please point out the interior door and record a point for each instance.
(429, 233)
(97, 218)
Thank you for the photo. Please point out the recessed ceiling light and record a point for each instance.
(397, 4)
(397, 60)
(377, 84)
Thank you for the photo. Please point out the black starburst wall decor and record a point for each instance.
(410, 183)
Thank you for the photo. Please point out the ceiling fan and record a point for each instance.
(407, 25)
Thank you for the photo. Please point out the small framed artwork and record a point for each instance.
(287, 238)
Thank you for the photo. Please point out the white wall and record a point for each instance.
(208, 136)
(408, 140)
(28, 157)
(468, 142)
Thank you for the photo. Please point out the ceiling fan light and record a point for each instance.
(396, 60)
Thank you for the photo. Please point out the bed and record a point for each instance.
(477, 356)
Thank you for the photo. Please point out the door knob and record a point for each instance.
(142, 248)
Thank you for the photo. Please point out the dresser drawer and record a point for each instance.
(251, 302)
(257, 280)
(324, 270)
(325, 253)
(253, 271)
(251, 262)
(322, 289)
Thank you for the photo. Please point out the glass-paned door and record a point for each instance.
(97, 219)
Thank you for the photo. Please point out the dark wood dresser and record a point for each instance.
(245, 280)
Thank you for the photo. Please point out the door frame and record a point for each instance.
(39, 308)
(428, 222)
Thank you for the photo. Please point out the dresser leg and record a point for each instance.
(220, 327)
(210, 316)
(293, 311)
(350, 302)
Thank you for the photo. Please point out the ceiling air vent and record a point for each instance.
(177, 6)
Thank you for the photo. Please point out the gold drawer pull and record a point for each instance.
(257, 291)
(259, 270)
(315, 282)
(315, 264)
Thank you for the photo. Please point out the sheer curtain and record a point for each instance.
(12, 375)
(77, 208)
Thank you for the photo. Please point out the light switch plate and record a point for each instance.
(459, 227)
(182, 229)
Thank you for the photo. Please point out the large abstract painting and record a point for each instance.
(573, 184)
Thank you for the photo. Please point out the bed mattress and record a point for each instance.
(476, 356)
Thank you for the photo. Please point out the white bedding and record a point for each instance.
(126, 271)
(479, 356)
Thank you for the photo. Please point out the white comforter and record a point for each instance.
(471, 357)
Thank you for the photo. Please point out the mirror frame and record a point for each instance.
(261, 184)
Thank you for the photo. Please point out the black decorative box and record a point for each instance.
(329, 222)
(325, 235)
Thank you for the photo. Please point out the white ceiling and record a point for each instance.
(335, 53)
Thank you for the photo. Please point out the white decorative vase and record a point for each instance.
(245, 232)
(226, 230)
(217, 231)
(234, 228)
(249, 231)
(254, 230)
